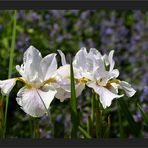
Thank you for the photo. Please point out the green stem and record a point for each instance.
(10, 66)
(1, 117)
(73, 104)
(93, 112)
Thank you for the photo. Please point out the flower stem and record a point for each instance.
(1, 117)
(93, 106)
(73, 104)
(10, 66)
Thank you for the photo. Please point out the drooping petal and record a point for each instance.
(62, 94)
(106, 96)
(7, 85)
(31, 102)
(63, 59)
(48, 65)
(127, 88)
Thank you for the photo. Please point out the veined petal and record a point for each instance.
(63, 71)
(127, 88)
(62, 94)
(106, 96)
(30, 66)
(62, 57)
(7, 85)
(48, 65)
(95, 53)
(31, 103)
(80, 59)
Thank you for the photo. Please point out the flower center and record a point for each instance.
(36, 85)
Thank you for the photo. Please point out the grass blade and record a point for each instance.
(107, 131)
(120, 124)
(145, 117)
(10, 66)
(73, 104)
(84, 132)
(89, 125)
(132, 124)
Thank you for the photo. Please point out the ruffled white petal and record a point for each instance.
(7, 85)
(48, 65)
(31, 102)
(63, 59)
(106, 96)
(80, 59)
(30, 68)
(127, 88)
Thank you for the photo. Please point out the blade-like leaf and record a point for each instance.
(107, 131)
(84, 132)
(89, 125)
(73, 104)
(120, 124)
(132, 124)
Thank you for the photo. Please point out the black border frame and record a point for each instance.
(75, 143)
(75, 4)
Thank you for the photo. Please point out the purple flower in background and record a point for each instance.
(1, 27)
(35, 16)
(144, 95)
(137, 117)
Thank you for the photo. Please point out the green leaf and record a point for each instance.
(145, 117)
(84, 132)
(73, 104)
(132, 124)
(89, 125)
(120, 124)
(107, 131)
(10, 65)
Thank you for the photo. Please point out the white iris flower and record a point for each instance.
(63, 80)
(97, 72)
(38, 74)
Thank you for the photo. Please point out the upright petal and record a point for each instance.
(7, 85)
(127, 88)
(106, 96)
(48, 65)
(109, 60)
(80, 59)
(63, 59)
(30, 67)
(31, 103)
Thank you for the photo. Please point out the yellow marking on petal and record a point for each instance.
(114, 81)
(50, 80)
(109, 83)
(24, 81)
(82, 80)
